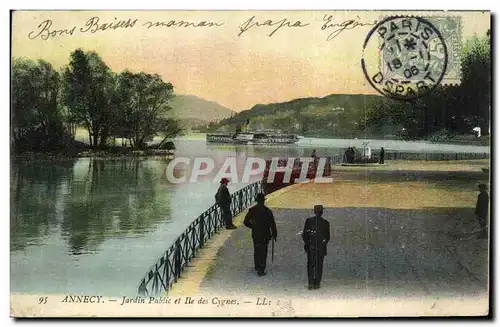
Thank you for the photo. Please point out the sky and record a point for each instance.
(233, 62)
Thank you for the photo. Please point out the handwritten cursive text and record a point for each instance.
(93, 25)
(340, 27)
(44, 32)
(182, 23)
(278, 24)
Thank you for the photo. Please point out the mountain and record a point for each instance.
(197, 110)
(335, 115)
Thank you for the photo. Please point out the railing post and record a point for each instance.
(234, 205)
(202, 231)
(193, 239)
(216, 214)
(240, 204)
(143, 291)
(177, 259)
(213, 219)
(167, 269)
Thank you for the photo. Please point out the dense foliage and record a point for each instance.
(37, 121)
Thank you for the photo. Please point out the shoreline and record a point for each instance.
(484, 141)
(93, 154)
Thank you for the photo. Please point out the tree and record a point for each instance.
(36, 120)
(142, 102)
(476, 78)
(88, 89)
(168, 128)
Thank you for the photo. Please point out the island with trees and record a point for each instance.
(48, 106)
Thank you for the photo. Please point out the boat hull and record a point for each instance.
(249, 139)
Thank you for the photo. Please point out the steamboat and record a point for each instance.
(258, 137)
(245, 135)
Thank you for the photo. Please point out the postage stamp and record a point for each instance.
(450, 28)
(250, 163)
(416, 55)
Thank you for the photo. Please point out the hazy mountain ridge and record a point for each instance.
(334, 115)
(195, 109)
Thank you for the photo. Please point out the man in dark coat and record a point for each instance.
(481, 211)
(316, 235)
(223, 199)
(315, 159)
(261, 220)
(382, 156)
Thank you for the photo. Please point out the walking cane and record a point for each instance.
(272, 252)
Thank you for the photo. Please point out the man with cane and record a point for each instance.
(261, 220)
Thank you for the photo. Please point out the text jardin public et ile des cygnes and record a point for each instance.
(49, 29)
(176, 300)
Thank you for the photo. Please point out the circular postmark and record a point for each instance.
(404, 57)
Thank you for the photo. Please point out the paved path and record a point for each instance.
(373, 253)
(406, 238)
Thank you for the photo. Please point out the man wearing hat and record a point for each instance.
(261, 220)
(223, 199)
(316, 235)
(481, 211)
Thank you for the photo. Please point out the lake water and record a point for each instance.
(96, 226)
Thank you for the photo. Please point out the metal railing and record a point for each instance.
(434, 156)
(425, 156)
(167, 270)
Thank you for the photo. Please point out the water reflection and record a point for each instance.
(35, 189)
(89, 200)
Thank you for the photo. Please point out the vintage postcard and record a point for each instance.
(250, 163)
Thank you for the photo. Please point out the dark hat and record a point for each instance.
(260, 197)
(224, 180)
(482, 186)
(318, 209)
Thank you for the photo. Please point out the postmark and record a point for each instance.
(404, 57)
